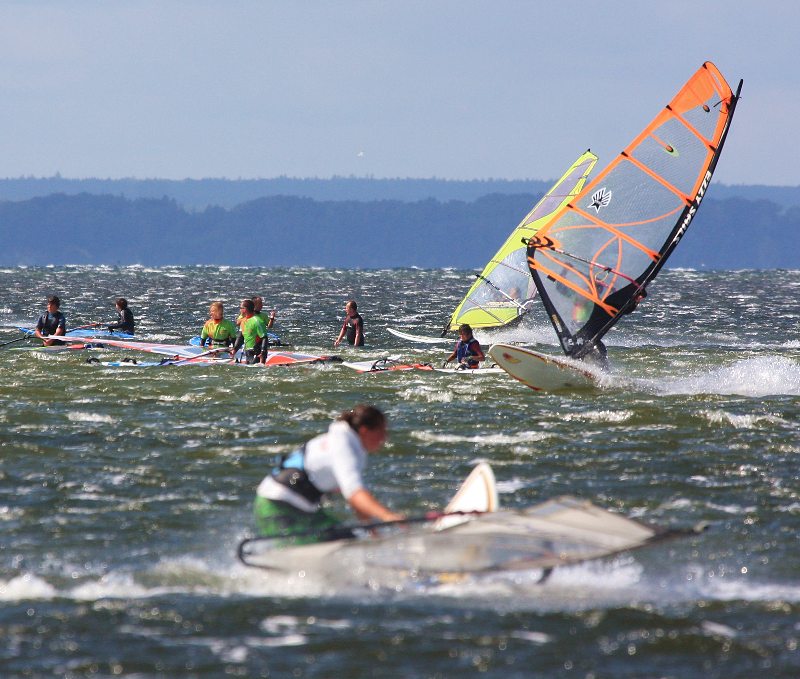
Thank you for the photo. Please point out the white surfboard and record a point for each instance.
(478, 493)
(420, 338)
(471, 371)
(542, 372)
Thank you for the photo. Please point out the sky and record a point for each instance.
(461, 89)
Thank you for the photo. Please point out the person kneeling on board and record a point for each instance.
(51, 323)
(288, 500)
(125, 323)
(468, 350)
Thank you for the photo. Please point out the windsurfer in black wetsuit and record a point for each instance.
(598, 354)
(125, 322)
(352, 326)
(51, 323)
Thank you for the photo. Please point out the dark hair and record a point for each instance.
(248, 304)
(122, 303)
(465, 327)
(54, 300)
(352, 303)
(364, 416)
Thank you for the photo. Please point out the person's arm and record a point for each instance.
(366, 506)
(238, 342)
(61, 328)
(271, 321)
(341, 334)
(230, 338)
(359, 332)
(480, 356)
(39, 328)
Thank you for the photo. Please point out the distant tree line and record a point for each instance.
(198, 194)
(285, 231)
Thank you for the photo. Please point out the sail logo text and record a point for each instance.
(690, 215)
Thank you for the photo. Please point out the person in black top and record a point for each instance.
(52, 322)
(125, 322)
(352, 326)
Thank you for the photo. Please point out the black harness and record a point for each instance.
(295, 478)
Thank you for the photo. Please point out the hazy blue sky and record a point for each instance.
(449, 89)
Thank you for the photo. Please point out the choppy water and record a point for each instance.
(123, 493)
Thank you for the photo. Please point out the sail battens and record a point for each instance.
(616, 230)
(504, 291)
(619, 230)
(685, 198)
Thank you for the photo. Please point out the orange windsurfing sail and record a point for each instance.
(592, 261)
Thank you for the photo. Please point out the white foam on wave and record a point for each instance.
(485, 439)
(26, 587)
(740, 421)
(427, 394)
(89, 417)
(578, 587)
(757, 376)
(599, 416)
(743, 589)
(619, 581)
(510, 486)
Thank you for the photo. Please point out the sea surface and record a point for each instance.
(124, 492)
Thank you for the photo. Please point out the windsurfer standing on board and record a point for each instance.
(251, 333)
(598, 354)
(125, 322)
(289, 499)
(468, 350)
(263, 347)
(52, 322)
(352, 326)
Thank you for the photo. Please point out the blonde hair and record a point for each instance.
(216, 305)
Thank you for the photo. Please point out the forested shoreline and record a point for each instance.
(731, 233)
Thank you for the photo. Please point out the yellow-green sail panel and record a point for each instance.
(504, 290)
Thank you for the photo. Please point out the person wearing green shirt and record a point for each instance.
(252, 332)
(269, 321)
(217, 331)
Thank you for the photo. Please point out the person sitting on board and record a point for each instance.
(125, 322)
(352, 326)
(217, 330)
(51, 323)
(251, 333)
(289, 499)
(468, 351)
